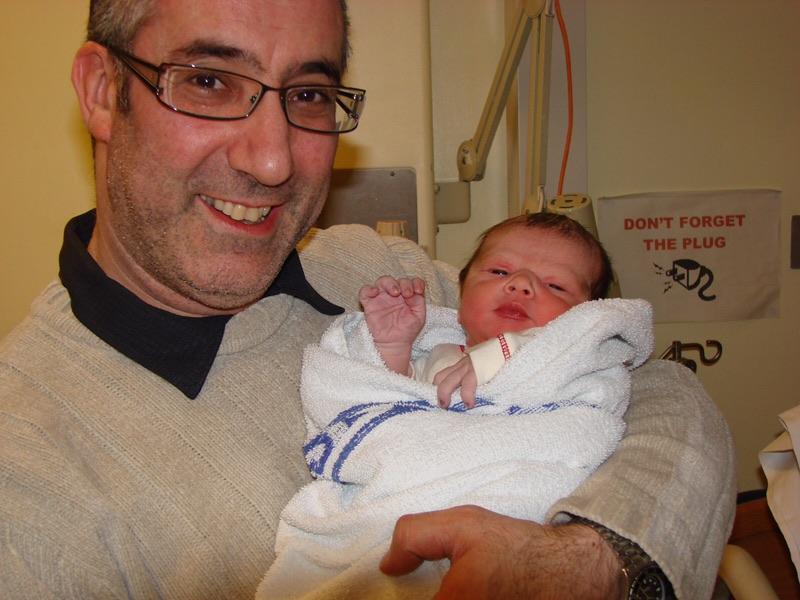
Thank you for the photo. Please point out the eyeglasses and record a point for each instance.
(225, 96)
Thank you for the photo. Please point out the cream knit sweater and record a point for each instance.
(115, 485)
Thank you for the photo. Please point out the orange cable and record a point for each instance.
(568, 60)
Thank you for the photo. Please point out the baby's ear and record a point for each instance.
(94, 80)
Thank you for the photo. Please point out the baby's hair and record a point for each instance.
(561, 225)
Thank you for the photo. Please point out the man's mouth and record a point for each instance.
(238, 212)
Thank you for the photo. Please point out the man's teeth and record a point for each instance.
(239, 212)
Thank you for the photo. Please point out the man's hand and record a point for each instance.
(395, 313)
(497, 557)
(460, 375)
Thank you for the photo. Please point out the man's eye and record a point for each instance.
(306, 96)
(312, 96)
(207, 80)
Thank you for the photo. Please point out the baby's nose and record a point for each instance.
(519, 284)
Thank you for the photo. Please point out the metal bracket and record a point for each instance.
(675, 352)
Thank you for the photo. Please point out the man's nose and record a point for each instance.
(261, 146)
(520, 283)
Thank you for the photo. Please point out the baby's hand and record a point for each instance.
(449, 379)
(394, 309)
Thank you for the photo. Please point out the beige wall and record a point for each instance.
(391, 59)
(44, 155)
(682, 94)
(691, 95)
(466, 42)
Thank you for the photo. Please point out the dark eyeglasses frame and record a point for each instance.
(130, 61)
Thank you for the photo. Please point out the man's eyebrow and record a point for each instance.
(319, 67)
(209, 48)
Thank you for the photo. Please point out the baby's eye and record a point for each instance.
(556, 287)
(500, 272)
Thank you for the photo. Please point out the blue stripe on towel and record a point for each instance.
(347, 431)
(327, 452)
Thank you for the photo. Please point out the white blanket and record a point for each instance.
(379, 447)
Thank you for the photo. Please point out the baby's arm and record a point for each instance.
(395, 313)
(479, 365)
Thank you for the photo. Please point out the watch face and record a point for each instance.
(650, 584)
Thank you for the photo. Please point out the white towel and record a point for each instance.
(380, 447)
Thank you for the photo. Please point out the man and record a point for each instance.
(150, 427)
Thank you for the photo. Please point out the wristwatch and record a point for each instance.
(644, 578)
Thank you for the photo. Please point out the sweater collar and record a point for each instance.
(179, 349)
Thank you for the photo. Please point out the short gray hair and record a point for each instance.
(116, 23)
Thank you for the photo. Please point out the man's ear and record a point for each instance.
(94, 80)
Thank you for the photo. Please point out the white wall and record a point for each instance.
(699, 95)
(391, 59)
(467, 38)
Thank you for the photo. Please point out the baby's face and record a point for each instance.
(523, 278)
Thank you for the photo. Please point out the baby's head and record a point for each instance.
(528, 270)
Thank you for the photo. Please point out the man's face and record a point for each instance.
(166, 180)
(524, 277)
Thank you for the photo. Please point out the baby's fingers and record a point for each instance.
(388, 284)
(419, 285)
(447, 382)
(367, 292)
(445, 390)
(469, 384)
(411, 287)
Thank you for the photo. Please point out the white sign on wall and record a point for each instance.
(696, 256)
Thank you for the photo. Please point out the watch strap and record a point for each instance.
(635, 561)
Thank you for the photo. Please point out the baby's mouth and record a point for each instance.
(250, 215)
(511, 311)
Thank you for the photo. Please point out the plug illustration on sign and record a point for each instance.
(690, 274)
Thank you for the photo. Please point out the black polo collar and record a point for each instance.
(179, 349)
